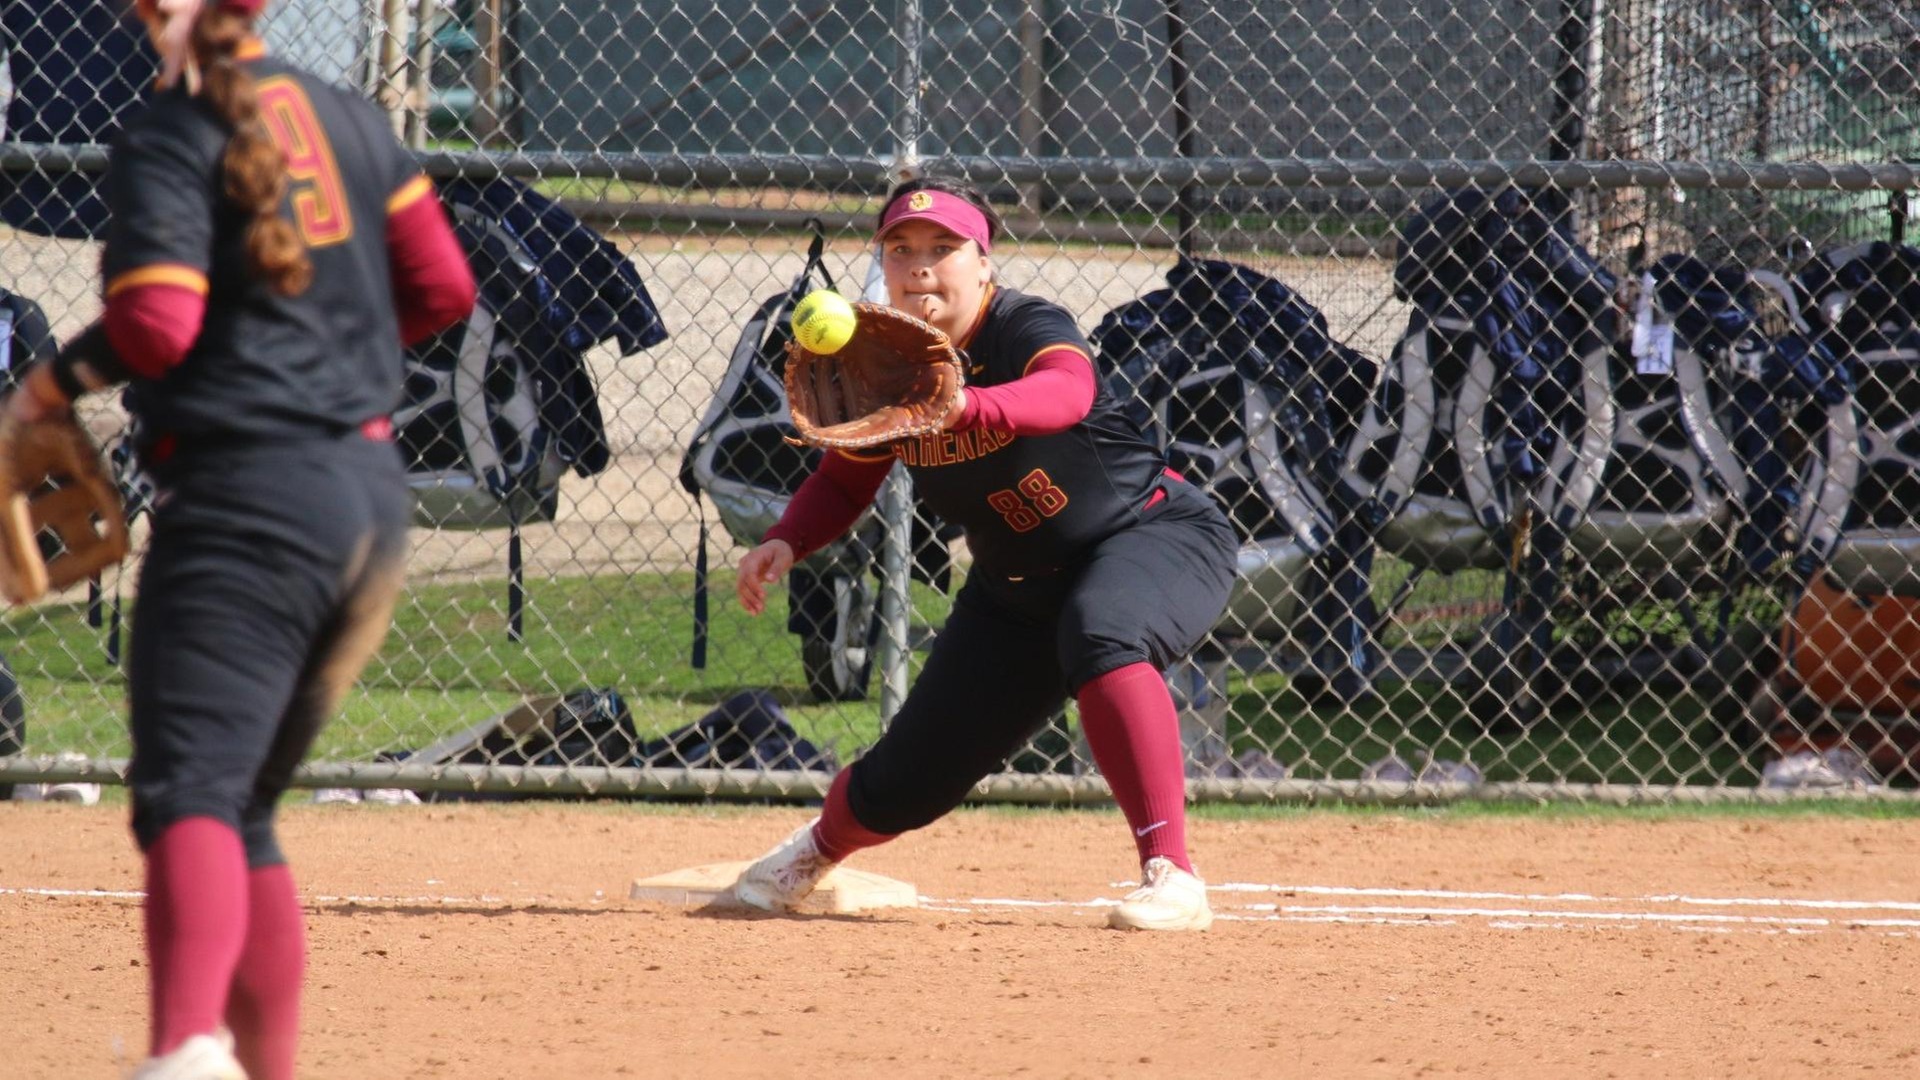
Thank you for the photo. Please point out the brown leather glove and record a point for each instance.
(896, 377)
(61, 520)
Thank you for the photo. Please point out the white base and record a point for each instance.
(841, 892)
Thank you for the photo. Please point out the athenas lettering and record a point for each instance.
(950, 447)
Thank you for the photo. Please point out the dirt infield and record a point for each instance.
(495, 941)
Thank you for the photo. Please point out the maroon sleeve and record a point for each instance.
(829, 502)
(1056, 393)
(152, 326)
(432, 285)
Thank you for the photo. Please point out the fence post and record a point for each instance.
(1177, 80)
(388, 86)
(487, 81)
(896, 496)
(1033, 82)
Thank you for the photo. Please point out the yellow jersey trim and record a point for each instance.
(410, 192)
(1027, 369)
(184, 277)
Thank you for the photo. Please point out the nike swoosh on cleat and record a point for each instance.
(1148, 829)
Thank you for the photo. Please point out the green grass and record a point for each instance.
(448, 664)
(1644, 739)
(1570, 812)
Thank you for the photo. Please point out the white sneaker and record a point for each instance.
(1169, 899)
(391, 797)
(65, 791)
(1803, 769)
(203, 1057)
(74, 792)
(784, 876)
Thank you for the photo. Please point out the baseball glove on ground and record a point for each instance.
(60, 515)
(896, 377)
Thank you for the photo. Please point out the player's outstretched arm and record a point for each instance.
(1056, 393)
(825, 507)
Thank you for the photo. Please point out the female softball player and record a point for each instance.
(270, 249)
(1094, 568)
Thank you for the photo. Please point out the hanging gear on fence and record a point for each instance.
(475, 428)
(25, 337)
(1768, 366)
(746, 457)
(1863, 302)
(1849, 682)
(580, 291)
(1517, 319)
(500, 407)
(88, 68)
(1237, 376)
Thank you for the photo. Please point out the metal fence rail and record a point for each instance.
(1706, 598)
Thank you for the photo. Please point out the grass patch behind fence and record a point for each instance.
(449, 664)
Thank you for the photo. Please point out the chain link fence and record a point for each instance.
(1557, 362)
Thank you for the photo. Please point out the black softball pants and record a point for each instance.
(269, 583)
(1013, 650)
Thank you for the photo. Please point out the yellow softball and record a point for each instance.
(823, 321)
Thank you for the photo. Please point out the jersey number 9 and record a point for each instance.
(320, 208)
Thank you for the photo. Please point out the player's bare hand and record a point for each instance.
(37, 398)
(759, 568)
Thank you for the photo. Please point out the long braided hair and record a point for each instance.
(253, 168)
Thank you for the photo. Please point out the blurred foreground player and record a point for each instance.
(271, 246)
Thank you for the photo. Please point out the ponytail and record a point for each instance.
(253, 168)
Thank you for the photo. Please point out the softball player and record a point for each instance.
(270, 248)
(1094, 568)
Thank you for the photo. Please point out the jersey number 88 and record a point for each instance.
(1025, 504)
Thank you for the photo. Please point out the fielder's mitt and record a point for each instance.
(896, 377)
(60, 515)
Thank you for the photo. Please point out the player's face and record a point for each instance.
(935, 275)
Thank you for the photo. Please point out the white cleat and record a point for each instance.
(65, 791)
(1169, 898)
(73, 792)
(203, 1057)
(785, 876)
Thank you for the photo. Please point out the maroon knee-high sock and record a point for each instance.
(1134, 732)
(264, 1008)
(837, 834)
(196, 915)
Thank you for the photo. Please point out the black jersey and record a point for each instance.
(1032, 503)
(265, 365)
